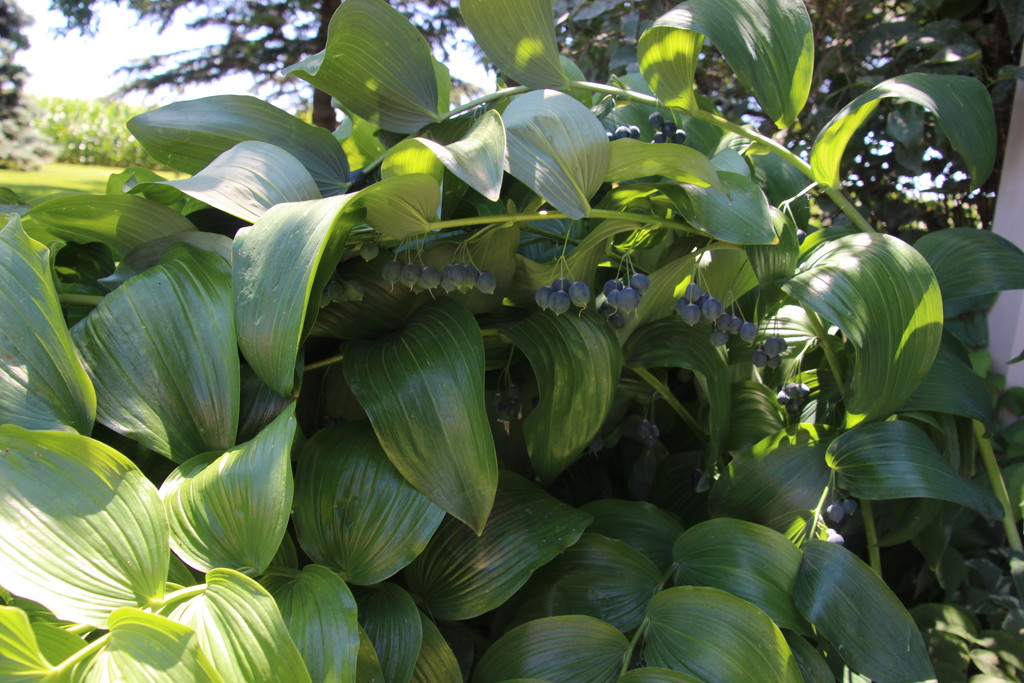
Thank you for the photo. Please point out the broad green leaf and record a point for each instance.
(82, 530)
(646, 528)
(756, 414)
(577, 361)
(279, 269)
(42, 382)
(161, 352)
(188, 135)
(437, 662)
(971, 262)
(121, 221)
(853, 608)
(774, 262)
(655, 674)
(320, 613)
(962, 108)
(411, 156)
(735, 210)
(769, 45)
(367, 662)
(890, 460)
(55, 643)
(20, 656)
(150, 254)
(148, 647)
(231, 509)
(241, 630)
(808, 657)
(423, 392)
(557, 148)
(673, 343)
(248, 179)
(259, 405)
(377, 65)
(881, 293)
(951, 386)
(629, 159)
(400, 206)
(747, 560)
(478, 158)
(393, 624)
(716, 637)
(354, 511)
(518, 36)
(384, 307)
(569, 649)
(526, 529)
(598, 576)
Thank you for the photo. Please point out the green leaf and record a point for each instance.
(756, 414)
(423, 391)
(971, 262)
(367, 663)
(557, 148)
(42, 382)
(437, 662)
(393, 624)
(951, 386)
(812, 664)
(646, 528)
(881, 293)
(569, 649)
(241, 630)
(717, 637)
(188, 135)
(577, 361)
(148, 647)
(20, 656)
(478, 158)
(854, 609)
(962, 108)
(735, 210)
(526, 529)
(769, 45)
(320, 614)
(518, 37)
(248, 179)
(81, 531)
(161, 352)
(747, 560)
(411, 156)
(598, 576)
(377, 65)
(354, 511)
(629, 159)
(231, 510)
(279, 269)
(891, 460)
(120, 221)
(401, 206)
(145, 256)
(654, 674)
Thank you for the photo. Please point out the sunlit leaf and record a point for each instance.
(377, 65)
(962, 108)
(526, 529)
(577, 362)
(717, 637)
(82, 530)
(423, 392)
(518, 36)
(557, 148)
(571, 649)
(279, 269)
(996, 263)
(478, 158)
(854, 609)
(354, 511)
(161, 352)
(393, 624)
(735, 210)
(42, 382)
(769, 45)
(320, 613)
(20, 656)
(400, 206)
(881, 293)
(188, 135)
(629, 159)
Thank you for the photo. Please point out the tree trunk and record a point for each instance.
(323, 112)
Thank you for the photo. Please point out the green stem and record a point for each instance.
(183, 594)
(813, 524)
(826, 344)
(80, 629)
(80, 300)
(88, 651)
(323, 363)
(556, 215)
(998, 484)
(671, 400)
(627, 656)
(874, 558)
(473, 104)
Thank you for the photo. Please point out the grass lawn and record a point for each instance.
(60, 179)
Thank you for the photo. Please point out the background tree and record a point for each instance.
(22, 145)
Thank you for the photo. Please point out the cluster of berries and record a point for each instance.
(507, 406)
(622, 298)
(648, 432)
(836, 512)
(454, 276)
(561, 294)
(794, 396)
(337, 292)
(666, 131)
(769, 353)
(696, 304)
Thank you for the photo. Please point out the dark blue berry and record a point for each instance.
(774, 361)
(712, 308)
(693, 291)
(605, 309)
(561, 284)
(759, 358)
(834, 537)
(559, 302)
(748, 331)
(656, 119)
(579, 293)
(621, 132)
(849, 506)
(690, 313)
(391, 272)
(430, 277)
(617, 321)
(612, 285)
(679, 137)
(634, 132)
(783, 397)
(659, 137)
(719, 338)
(410, 274)
(774, 346)
(669, 129)
(627, 300)
(543, 296)
(640, 282)
(486, 282)
(835, 512)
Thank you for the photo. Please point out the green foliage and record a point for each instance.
(23, 146)
(513, 401)
(92, 132)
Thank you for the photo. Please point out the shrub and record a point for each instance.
(92, 131)
(492, 405)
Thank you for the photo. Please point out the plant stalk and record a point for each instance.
(874, 557)
(323, 363)
(826, 344)
(88, 651)
(998, 484)
(555, 215)
(671, 400)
